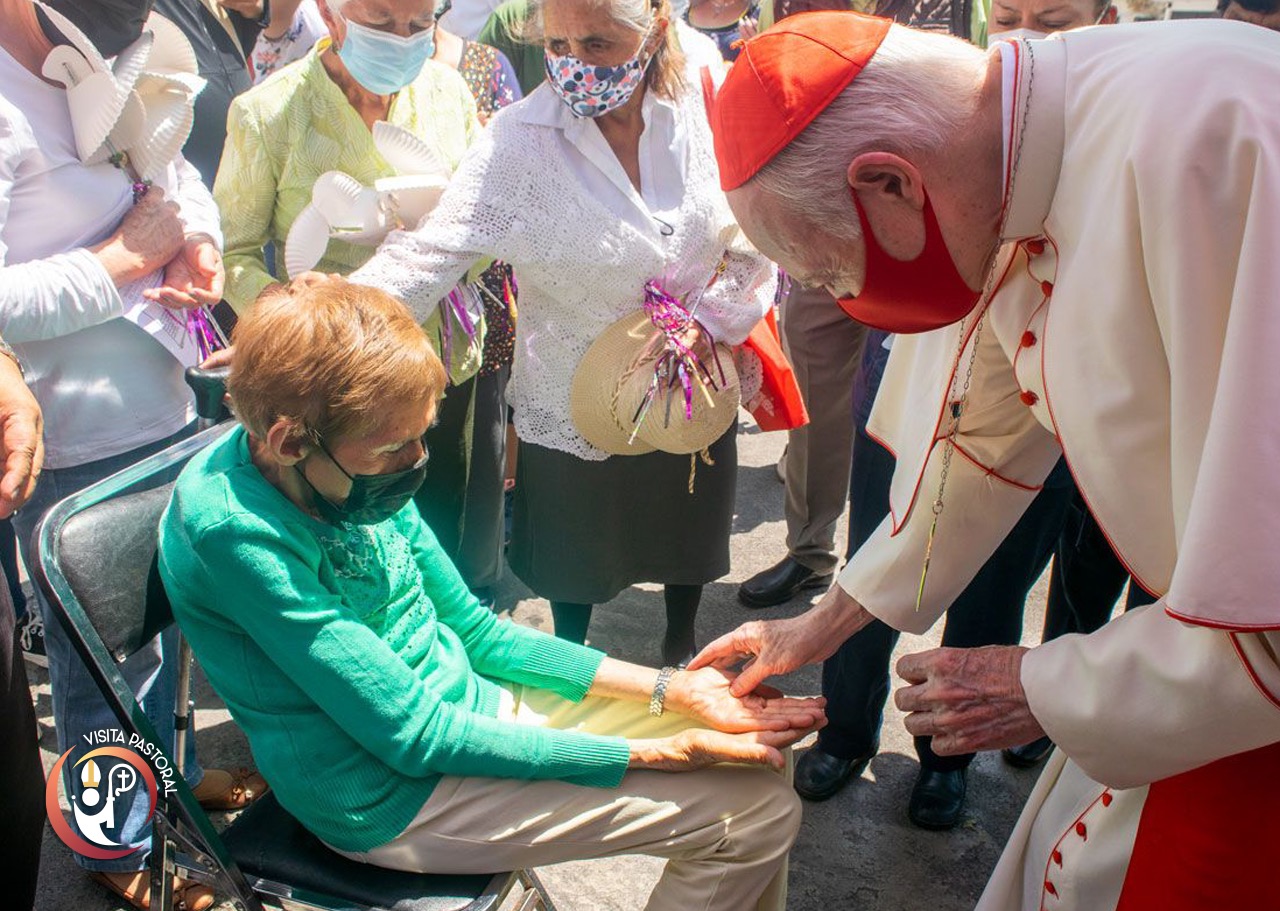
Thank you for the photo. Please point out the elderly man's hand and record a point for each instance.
(967, 699)
(780, 646)
(21, 439)
(704, 695)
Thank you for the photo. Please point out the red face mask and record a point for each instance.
(913, 296)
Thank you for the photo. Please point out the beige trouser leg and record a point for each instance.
(725, 830)
(825, 348)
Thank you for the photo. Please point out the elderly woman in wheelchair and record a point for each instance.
(397, 719)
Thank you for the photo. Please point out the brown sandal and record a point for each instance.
(240, 788)
(136, 890)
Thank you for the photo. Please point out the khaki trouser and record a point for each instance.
(725, 830)
(825, 348)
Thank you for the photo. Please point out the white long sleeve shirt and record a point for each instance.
(104, 384)
(542, 190)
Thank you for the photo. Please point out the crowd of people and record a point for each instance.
(492, 281)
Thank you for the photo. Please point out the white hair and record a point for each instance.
(914, 95)
(637, 15)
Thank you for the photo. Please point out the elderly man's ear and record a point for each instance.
(891, 193)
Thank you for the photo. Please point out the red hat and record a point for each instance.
(783, 79)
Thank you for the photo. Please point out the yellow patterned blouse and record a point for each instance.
(288, 130)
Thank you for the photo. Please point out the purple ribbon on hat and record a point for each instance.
(676, 367)
(455, 304)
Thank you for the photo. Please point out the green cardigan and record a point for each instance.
(355, 659)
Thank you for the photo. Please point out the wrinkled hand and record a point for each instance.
(21, 439)
(780, 646)
(704, 695)
(967, 699)
(147, 238)
(193, 278)
(748, 29)
(698, 748)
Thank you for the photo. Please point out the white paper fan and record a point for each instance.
(344, 202)
(167, 124)
(308, 238)
(408, 200)
(405, 152)
(94, 98)
(171, 52)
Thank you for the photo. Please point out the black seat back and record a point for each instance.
(108, 555)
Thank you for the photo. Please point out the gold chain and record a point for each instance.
(956, 405)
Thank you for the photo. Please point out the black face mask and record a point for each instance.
(112, 25)
(373, 498)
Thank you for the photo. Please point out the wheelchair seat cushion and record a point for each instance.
(269, 843)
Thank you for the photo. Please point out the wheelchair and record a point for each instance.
(96, 565)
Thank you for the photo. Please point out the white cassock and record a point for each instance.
(1135, 328)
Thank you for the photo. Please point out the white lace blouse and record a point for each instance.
(542, 190)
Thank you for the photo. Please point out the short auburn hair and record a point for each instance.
(329, 357)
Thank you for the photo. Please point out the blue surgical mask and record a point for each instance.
(384, 63)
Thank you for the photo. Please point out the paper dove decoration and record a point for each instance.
(140, 105)
(342, 207)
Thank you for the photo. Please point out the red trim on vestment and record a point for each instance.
(991, 472)
(1055, 856)
(888, 449)
(946, 400)
(1218, 624)
(1271, 697)
(1062, 443)
(1207, 839)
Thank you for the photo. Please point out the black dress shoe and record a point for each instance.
(819, 775)
(937, 800)
(780, 583)
(1028, 755)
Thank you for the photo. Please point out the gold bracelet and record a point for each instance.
(657, 702)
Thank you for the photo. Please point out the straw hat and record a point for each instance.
(609, 387)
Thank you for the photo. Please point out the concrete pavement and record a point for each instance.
(856, 852)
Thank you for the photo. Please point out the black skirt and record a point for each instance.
(584, 531)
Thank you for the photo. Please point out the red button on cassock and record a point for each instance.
(1049, 887)
(1028, 339)
(1046, 287)
(1035, 247)
(1029, 398)
(1082, 831)
(1057, 858)
(1107, 798)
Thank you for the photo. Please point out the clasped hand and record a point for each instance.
(706, 696)
(753, 728)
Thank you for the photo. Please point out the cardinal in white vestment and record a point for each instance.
(1080, 240)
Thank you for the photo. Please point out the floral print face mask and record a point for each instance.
(591, 91)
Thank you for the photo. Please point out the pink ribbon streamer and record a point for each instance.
(675, 368)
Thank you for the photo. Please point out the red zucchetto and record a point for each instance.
(782, 79)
